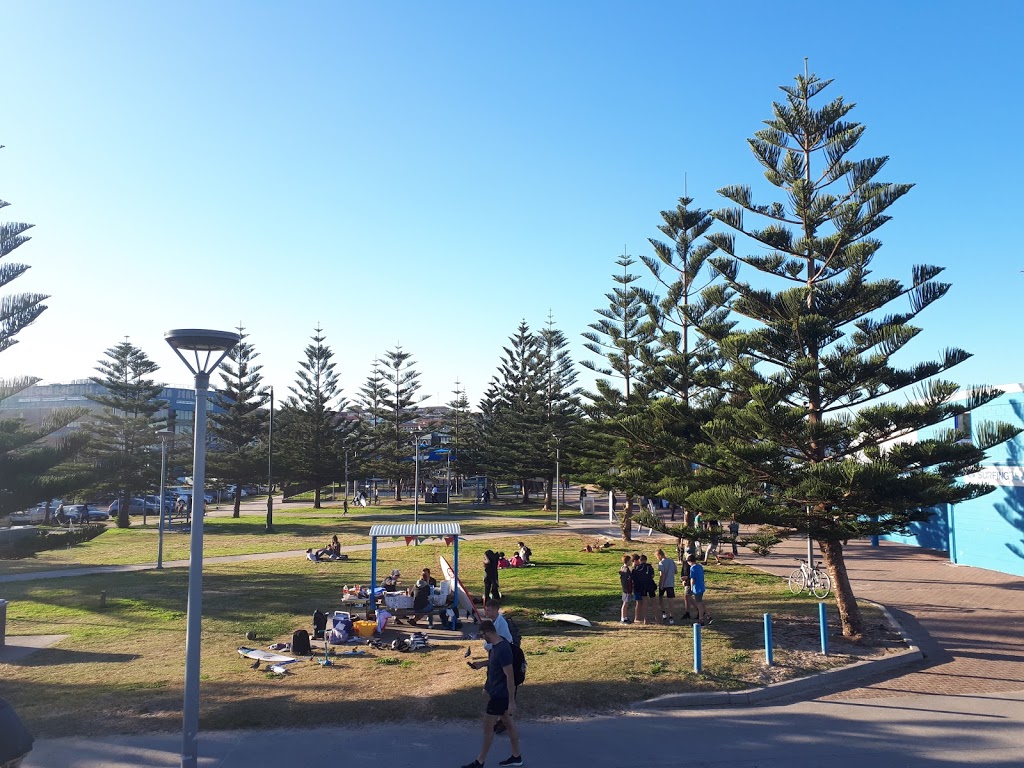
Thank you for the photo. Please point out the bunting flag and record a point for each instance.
(409, 540)
(448, 540)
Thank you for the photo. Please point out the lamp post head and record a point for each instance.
(206, 348)
(163, 434)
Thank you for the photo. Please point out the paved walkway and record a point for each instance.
(905, 732)
(969, 622)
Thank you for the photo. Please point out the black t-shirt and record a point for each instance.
(499, 657)
(626, 579)
(643, 577)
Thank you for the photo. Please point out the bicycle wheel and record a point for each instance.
(821, 585)
(797, 583)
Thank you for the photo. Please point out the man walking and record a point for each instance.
(666, 585)
(697, 590)
(500, 704)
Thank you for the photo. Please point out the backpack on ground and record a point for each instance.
(513, 629)
(300, 643)
(518, 665)
(319, 624)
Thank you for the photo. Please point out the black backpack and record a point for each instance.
(319, 625)
(518, 665)
(513, 629)
(300, 643)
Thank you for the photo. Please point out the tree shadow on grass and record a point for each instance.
(48, 657)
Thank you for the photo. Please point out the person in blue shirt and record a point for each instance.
(500, 704)
(697, 589)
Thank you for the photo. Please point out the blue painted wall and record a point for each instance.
(987, 532)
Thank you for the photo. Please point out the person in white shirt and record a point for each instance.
(492, 610)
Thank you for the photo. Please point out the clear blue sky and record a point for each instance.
(431, 173)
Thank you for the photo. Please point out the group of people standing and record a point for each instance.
(641, 583)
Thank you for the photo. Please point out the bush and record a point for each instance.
(28, 545)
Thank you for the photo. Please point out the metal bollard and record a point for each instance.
(824, 628)
(696, 648)
(769, 654)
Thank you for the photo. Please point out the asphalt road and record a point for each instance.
(905, 732)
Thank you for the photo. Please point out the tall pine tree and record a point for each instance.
(819, 398)
(28, 461)
(563, 413)
(123, 446)
(512, 414)
(313, 430)
(398, 408)
(240, 428)
(624, 340)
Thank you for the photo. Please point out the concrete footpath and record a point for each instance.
(910, 732)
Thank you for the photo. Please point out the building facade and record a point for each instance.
(987, 532)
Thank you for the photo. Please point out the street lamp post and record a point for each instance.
(416, 489)
(163, 434)
(270, 466)
(205, 349)
(558, 480)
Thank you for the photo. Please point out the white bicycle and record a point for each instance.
(810, 578)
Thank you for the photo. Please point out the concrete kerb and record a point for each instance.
(801, 686)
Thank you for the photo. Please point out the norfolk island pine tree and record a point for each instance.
(28, 462)
(815, 449)
(241, 425)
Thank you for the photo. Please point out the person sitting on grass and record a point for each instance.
(525, 552)
(503, 561)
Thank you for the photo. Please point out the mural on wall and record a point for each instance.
(1011, 506)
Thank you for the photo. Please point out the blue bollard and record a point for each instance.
(769, 655)
(696, 648)
(824, 628)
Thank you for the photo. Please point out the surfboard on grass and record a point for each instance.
(465, 600)
(567, 618)
(266, 656)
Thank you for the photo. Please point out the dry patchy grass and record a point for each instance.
(121, 668)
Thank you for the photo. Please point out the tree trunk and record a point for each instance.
(124, 501)
(626, 520)
(398, 489)
(549, 499)
(849, 611)
(526, 491)
(238, 500)
(316, 497)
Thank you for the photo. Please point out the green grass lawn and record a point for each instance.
(121, 668)
(295, 529)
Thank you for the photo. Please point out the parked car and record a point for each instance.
(35, 515)
(135, 507)
(85, 513)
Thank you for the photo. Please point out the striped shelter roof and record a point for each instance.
(415, 529)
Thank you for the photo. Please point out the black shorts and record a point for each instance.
(666, 592)
(650, 592)
(497, 705)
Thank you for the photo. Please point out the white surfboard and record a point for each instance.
(464, 598)
(568, 618)
(267, 656)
